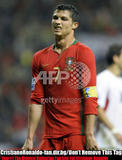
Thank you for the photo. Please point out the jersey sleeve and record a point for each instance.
(89, 93)
(102, 90)
(37, 94)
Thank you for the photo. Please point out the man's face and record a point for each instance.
(62, 23)
(120, 61)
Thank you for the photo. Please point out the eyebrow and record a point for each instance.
(56, 16)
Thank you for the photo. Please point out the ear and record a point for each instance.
(75, 25)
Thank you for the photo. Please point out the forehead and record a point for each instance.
(62, 13)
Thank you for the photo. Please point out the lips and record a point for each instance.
(57, 28)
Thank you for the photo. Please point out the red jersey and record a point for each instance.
(62, 99)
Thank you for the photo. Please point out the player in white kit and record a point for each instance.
(109, 89)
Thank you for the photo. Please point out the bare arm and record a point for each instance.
(35, 112)
(104, 119)
(89, 133)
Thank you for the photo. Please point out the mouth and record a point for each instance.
(57, 28)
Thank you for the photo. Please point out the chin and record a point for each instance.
(57, 34)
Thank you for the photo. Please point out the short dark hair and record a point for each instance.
(73, 10)
(113, 50)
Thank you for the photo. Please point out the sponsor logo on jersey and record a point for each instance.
(44, 65)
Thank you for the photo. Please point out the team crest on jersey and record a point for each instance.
(69, 62)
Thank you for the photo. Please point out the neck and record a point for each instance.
(61, 43)
(114, 69)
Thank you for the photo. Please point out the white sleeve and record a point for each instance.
(102, 90)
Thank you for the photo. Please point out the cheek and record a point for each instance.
(120, 63)
(53, 22)
(120, 60)
(68, 26)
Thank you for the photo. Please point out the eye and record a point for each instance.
(55, 17)
(64, 18)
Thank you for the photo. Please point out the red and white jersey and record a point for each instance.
(109, 89)
(63, 110)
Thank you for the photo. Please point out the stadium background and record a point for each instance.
(24, 29)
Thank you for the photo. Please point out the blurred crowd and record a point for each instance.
(24, 29)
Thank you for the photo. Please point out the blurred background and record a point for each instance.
(25, 29)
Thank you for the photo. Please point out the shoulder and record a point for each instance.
(104, 78)
(37, 57)
(103, 83)
(84, 48)
(105, 75)
(85, 54)
(84, 51)
(40, 52)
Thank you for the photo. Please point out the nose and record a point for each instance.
(58, 21)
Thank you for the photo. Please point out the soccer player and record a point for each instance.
(69, 122)
(109, 88)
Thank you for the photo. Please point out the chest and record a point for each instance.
(52, 60)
